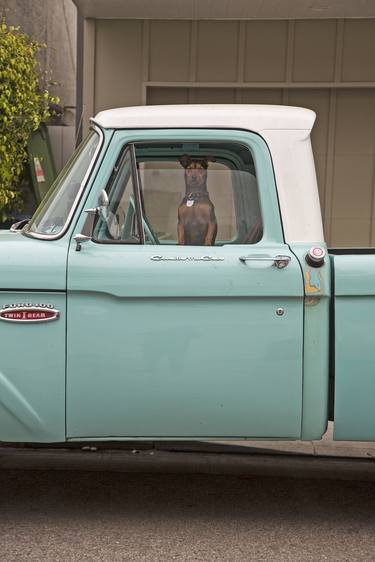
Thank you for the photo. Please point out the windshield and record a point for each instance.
(58, 205)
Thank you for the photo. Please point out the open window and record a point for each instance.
(176, 193)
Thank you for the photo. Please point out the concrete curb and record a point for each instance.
(158, 461)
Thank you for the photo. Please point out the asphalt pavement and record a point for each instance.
(83, 516)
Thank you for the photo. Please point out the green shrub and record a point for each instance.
(24, 104)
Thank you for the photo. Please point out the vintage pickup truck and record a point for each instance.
(114, 325)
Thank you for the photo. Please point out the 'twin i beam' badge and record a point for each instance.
(28, 313)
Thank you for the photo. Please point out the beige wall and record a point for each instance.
(326, 65)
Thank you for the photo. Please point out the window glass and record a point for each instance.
(195, 194)
(53, 213)
(118, 221)
(199, 193)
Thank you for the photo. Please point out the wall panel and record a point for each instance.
(350, 233)
(167, 96)
(273, 96)
(359, 50)
(314, 51)
(118, 63)
(212, 95)
(169, 50)
(265, 51)
(217, 51)
(353, 181)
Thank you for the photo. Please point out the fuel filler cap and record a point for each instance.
(315, 256)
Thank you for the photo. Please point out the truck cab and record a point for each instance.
(113, 327)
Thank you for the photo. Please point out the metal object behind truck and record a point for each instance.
(41, 162)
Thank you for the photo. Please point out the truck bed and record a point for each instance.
(353, 335)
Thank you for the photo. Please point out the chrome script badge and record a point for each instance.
(186, 258)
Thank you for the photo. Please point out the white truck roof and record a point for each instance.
(255, 118)
(286, 131)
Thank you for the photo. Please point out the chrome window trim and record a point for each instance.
(81, 190)
(137, 191)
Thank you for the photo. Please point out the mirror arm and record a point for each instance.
(93, 211)
(80, 238)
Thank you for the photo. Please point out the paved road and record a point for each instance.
(92, 516)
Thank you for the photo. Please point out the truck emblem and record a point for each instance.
(186, 258)
(28, 312)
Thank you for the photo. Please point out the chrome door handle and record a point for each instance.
(278, 261)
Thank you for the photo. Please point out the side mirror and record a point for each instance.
(89, 224)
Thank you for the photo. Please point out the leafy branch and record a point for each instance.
(24, 105)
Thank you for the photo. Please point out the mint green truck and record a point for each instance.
(175, 284)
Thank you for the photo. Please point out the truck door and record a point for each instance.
(168, 338)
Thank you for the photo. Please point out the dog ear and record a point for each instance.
(185, 160)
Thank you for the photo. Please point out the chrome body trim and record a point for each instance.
(81, 190)
(16, 226)
(137, 193)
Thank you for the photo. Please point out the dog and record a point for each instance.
(197, 225)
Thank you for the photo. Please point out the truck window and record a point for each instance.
(52, 216)
(119, 220)
(191, 194)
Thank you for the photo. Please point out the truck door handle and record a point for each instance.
(278, 261)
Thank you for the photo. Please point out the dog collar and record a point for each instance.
(195, 196)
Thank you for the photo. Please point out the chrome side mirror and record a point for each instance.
(92, 214)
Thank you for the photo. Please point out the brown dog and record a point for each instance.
(197, 224)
